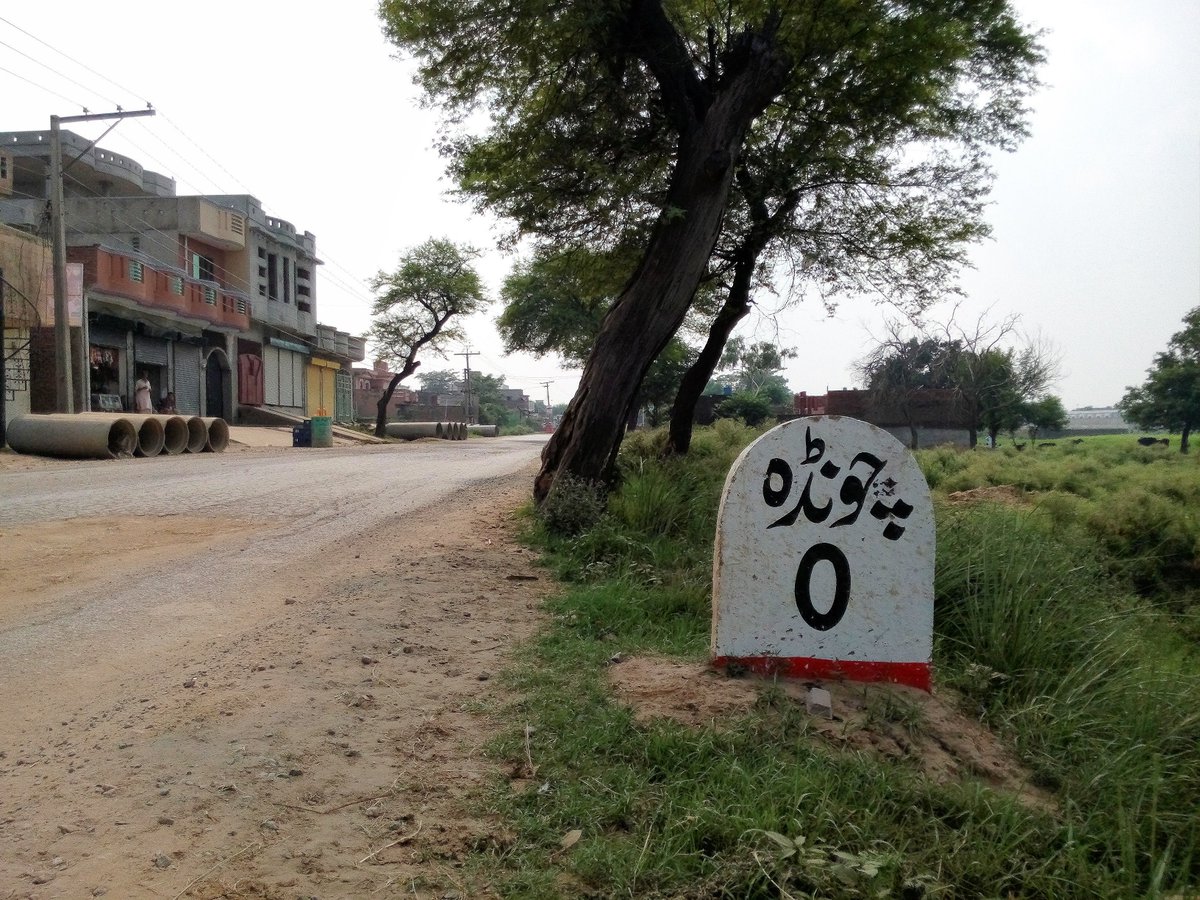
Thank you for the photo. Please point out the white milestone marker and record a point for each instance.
(823, 566)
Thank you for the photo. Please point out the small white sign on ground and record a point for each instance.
(823, 565)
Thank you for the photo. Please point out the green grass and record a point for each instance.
(1063, 623)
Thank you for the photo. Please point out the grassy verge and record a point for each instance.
(1040, 629)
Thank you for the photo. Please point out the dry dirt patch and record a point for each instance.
(1009, 494)
(894, 721)
(327, 742)
(65, 552)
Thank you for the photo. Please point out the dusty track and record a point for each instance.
(257, 675)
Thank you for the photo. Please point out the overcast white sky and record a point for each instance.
(1096, 217)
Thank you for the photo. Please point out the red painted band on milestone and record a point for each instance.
(916, 675)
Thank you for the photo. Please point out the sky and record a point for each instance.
(1095, 218)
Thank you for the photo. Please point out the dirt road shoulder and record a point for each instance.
(329, 746)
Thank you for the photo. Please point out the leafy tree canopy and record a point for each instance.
(417, 308)
(441, 381)
(754, 368)
(993, 381)
(752, 407)
(554, 301)
(842, 138)
(1170, 396)
(1044, 414)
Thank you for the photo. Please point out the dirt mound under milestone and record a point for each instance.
(897, 722)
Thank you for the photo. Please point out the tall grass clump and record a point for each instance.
(1099, 697)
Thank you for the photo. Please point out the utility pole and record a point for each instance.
(549, 408)
(468, 353)
(62, 325)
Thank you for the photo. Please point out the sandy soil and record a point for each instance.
(927, 731)
(327, 747)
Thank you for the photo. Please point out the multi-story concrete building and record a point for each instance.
(208, 295)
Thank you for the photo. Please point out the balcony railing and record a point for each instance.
(160, 289)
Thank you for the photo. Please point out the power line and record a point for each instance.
(349, 289)
(67, 56)
(42, 87)
(61, 75)
(190, 140)
(468, 353)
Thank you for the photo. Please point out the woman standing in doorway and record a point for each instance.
(141, 395)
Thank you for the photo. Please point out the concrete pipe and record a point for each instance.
(152, 436)
(176, 434)
(218, 434)
(460, 433)
(197, 434)
(151, 433)
(410, 431)
(72, 437)
(484, 430)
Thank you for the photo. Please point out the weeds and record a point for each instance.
(1049, 622)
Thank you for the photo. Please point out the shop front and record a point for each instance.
(322, 387)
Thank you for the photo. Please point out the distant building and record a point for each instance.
(804, 404)
(1091, 420)
(369, 387)
(937, 415)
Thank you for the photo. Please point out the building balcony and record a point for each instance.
(340, 343)
(161, 290)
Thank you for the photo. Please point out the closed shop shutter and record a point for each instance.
(151, 351)
(298, 367)
(271, 376)
(314, 390)
(287, 378)
(284, 373)
(321, 390)
(187, 379)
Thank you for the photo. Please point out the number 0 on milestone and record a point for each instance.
(823, 565)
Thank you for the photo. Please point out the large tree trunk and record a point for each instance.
(382, 405)
(653, 304)
(410, 366)
(697, 377)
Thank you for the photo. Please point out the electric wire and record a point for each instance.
(67, 56)
(61, 75)
(199, 147)
(42, 87)
(347, 288)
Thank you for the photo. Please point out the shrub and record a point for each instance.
(573, 505)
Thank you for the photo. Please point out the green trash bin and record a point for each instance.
(322, 431)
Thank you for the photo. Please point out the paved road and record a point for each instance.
(304, 485)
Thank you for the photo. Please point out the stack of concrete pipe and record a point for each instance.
(112, 435)
(411, 431)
